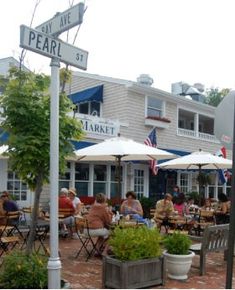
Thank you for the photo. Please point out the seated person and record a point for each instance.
(176, 192)
(8, 203)
(164, 208)
(75, 201)
(207, 204)
(222, 214)
(132, 207)
(180, 205)
(2, 212)
(192, 207)
(66, 203)
(99, 219)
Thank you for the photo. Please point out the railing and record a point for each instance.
(197, 135)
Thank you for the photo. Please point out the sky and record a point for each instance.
(171, 40)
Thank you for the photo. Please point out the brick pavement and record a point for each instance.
(88, 275)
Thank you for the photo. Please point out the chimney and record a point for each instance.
(145, 79)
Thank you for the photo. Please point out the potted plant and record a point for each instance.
(177, 255)
(135, 250)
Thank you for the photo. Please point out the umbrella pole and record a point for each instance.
(200, 185)
(119, 176)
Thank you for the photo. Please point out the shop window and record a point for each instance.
(184, 182)
(100, 179)
(89, 108)
(139, 182)
(64, 179)
(16, 187)
(82, 179)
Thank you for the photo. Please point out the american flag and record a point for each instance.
(151, 140)
(224, 174)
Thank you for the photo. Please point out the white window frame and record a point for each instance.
(89, 108)
(145, 168)
(162, 109)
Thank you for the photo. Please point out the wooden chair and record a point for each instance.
(88, 241)
(206, 218)
(63, 214)
(8, 239)
(178, 223)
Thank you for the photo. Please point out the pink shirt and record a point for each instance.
(181, 208)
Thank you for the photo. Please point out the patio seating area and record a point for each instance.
(88, 275)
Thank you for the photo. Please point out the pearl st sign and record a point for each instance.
(63, 21)
(46, 45)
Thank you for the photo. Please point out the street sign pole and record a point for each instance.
(230, 252)
(46, 42)
(54, 263)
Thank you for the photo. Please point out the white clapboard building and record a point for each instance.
(107, 107)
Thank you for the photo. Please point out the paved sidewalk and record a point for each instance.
(88, 275)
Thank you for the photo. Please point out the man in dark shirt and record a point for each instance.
(9, 204)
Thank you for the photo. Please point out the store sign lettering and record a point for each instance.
(99, 128)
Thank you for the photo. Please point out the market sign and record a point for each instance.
(99, 127)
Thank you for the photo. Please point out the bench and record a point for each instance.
(215, 238)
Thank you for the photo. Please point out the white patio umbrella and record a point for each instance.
(121, 149)
(198, 160)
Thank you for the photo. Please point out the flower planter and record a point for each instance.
(132, 274)
(178, 266)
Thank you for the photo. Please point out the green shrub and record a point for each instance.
(21, 271)
(135, 243)
(177, 243)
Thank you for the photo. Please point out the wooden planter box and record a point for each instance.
(132, 274)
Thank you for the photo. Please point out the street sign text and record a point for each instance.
(46, 45)
(63, 21)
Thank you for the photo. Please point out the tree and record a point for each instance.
(26, 109)
(214, 96)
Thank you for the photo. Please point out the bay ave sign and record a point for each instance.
(63, 21)
(51, 47)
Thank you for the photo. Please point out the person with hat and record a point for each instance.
(66, 204)
(75, 200)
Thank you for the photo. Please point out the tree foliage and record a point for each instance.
(26, 113)
(214, 96)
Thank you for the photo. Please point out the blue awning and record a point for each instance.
(91, 94)
(4, 136)
(81, 144)
(173, 151)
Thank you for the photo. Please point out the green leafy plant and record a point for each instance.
(21, 271)
(135, 243)
(177, 243)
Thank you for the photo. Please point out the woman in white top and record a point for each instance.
(75, 200)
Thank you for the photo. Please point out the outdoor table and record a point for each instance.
(42, 229)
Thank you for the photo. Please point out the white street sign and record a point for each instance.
(51, 47)
(224, 115)
(63, 21)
